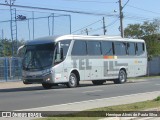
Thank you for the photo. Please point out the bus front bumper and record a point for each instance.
(38, 79)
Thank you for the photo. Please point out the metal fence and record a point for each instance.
(154, 66)
(10, 69)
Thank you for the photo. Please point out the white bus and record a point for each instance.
(70, 59)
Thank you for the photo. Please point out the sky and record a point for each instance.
(136, 11)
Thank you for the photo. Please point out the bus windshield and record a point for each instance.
(38, 57)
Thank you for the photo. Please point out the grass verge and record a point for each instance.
(127, 107)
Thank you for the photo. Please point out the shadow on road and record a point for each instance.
(22, 89)
(60, 86)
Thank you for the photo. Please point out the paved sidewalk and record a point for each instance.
(17, 84)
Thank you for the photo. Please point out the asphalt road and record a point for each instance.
(33, 97)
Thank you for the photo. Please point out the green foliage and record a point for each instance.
(133, 31)
(153, 45)
(157, 99)
(149, 31)
(6, 47)
(141, 30)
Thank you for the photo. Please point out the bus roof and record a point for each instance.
(50, 39)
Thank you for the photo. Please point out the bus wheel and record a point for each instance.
(122, 77)
(72, 81)
(46, 86)
(98, 82)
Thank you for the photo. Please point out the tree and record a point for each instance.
(6, 47)
(153, 45)
(133, 31)
(149, 31)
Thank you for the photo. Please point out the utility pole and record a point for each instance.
(10, 3)
(121, 18)
(2, 34)
(86, 31)
(33, 23)
(104, 27)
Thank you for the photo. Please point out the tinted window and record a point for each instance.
(79, 48)
(139, 48)
(107, 48)
(38, 56)
(120, 48)
(61, 50)
(65, 45)
(94, 48)
(131, 48)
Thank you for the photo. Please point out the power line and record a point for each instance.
(95, 23)
(91, 1)
(60, 10)
(125, 4)
(137, 17)
(96, 29)
(35, 11)
(143, 9)
(110, 24)
(87, 26)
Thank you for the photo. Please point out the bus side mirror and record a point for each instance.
(21, 51)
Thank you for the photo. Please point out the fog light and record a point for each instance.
(48, 79)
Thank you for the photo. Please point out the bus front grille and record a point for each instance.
(34, 80)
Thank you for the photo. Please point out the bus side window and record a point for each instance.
(120, 48)
(79, 48)
(131, 48)
(107, 48)
(139, 48)
(64, 46)
(57, 54)
(94, 48)
(61, 50)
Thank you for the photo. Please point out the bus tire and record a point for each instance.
(122, 77)
(46, 86)
(73, 81)
(98, 82)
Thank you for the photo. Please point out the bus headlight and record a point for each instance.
(48, 79)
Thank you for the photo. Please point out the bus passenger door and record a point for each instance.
(63, 47)
(58, 64)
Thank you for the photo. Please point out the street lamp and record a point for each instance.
(21, 17)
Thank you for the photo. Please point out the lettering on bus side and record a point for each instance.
(82, 65)
(109, 66)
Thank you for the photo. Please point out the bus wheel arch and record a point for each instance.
(122, 76)
(74, 79)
